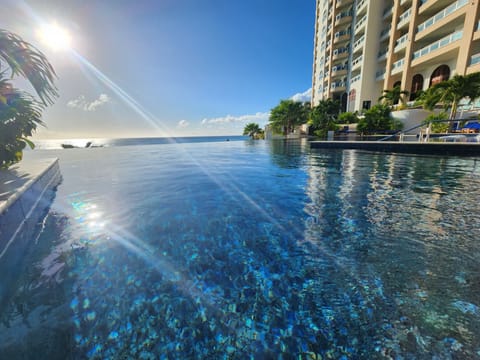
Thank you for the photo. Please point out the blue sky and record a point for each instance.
(169, 67)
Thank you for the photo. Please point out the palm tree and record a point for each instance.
(252, 130)
(20, 113)
(25, 60)
(287, 115)
(450, 92)
(394, 96)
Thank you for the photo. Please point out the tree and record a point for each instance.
(253, 130)
(393, 96)
(20, 113)
(450, 92)
(378, 119)
(287, 115)
(324, 117)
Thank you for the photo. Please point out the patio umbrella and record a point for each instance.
(472, 125)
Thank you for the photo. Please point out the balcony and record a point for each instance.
(441, 15)
(341, 36)
(340, 53)
(385, 34)
(342, 3)
(339, 70)
(357, 62)
(360, 24)
(361, 6)
(404, 19)
(397, 66)
(401, 43)
(382, 54)
(355, 79)
(438, 44)
(380, 75)
(358, 43)
(475, 59)
(338, 86)
(343, 17)
(387, 12)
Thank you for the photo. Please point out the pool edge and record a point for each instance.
(25, 197)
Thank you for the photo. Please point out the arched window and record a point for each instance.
(441, 73)
(417, 85)
(352, 95)
(398, 83)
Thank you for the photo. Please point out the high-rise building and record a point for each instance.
(365, 46)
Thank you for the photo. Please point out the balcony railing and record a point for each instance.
(379, 75)
(340, 51)
(355, 78)
(400, 43)
(385, 32)
(338, 84)
(387, 12)
(398, 66)
(339, 68)
(342, 33)
(357, 61)
(382, 53)
(359, 24)
(438, 44)
(475, 59)
(360, 5)
(359, 42)
(343, 15)
(404, 18)
(442, 14)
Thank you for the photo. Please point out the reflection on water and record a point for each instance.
(252, 249)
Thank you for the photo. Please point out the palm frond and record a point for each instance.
(26, 60)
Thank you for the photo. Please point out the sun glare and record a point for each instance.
(55, 37)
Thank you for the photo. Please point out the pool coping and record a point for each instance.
(460, 149)
(22, 189)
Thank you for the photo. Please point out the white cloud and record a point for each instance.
(183, 124)
(303, 97)
(229, 119)
(83, 104)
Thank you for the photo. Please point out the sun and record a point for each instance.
(55, 37)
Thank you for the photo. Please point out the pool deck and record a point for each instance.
(22, 189)
(430, 148)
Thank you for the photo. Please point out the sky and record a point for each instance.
(168, 67)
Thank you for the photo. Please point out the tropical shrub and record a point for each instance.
(378, 119)
(347, 118)
(437, 126)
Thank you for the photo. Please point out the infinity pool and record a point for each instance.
(250, 250)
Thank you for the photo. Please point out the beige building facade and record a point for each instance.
(365, 46)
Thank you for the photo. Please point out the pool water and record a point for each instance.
(251, 249)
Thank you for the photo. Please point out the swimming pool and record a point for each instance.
(249, 249)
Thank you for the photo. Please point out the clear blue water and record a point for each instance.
(251, 249)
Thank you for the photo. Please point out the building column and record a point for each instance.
(469, 28)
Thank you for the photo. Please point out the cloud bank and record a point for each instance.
(82, 104)
(303, 97)
(230, 119)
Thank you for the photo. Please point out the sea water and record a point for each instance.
(250, 249)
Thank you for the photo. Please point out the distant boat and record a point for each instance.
(87, 146)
